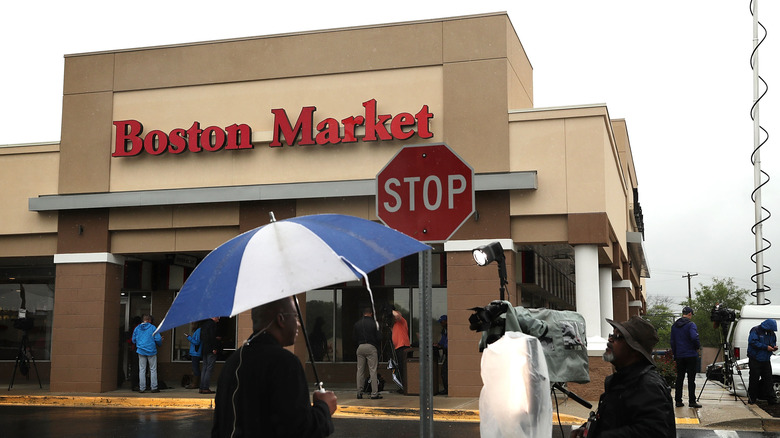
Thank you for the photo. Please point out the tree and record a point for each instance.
(661, 315)
(722, 291)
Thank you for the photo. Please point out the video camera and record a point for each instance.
(720, 314)
(488, 319)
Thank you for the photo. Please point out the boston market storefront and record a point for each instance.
(167, 152)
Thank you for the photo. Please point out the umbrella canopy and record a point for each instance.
(285, 258)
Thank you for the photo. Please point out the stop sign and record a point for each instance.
(425, 192)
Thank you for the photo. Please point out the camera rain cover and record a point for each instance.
(565, 344)
(561, 333)
(515, 399)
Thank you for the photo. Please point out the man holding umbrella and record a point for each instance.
(262, 390)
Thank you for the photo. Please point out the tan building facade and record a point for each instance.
(167, 152)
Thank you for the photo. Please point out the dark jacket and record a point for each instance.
(365, 332)
(760, 337)
(685, 339)
(208, 338)
(270, 396)
(636, 403)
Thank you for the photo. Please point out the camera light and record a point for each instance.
(486, 254)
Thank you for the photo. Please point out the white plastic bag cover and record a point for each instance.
(515, 399)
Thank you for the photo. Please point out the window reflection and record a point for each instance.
(332, 312)
(38, 300)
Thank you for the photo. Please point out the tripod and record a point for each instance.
(728, 365)
(23, 359)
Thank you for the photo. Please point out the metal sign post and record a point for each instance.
(426, 347)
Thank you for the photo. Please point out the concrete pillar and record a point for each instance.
(605, 298)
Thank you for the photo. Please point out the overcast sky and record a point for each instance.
(678, 72)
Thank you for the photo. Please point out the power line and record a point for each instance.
(689, 285)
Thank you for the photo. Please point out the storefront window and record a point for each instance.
(38, 300)
(332, 312)
(226, 333)
(321, 314)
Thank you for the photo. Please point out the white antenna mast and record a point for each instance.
(758, 256)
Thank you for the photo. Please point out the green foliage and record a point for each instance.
(661, 315)
(722, 291)
(667, 367)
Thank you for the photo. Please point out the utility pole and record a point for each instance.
(689, 285)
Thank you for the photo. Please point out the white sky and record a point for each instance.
(677, 71)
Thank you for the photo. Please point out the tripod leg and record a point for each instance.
(16, 366)
(35, 367)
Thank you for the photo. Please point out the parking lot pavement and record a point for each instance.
(720, 409)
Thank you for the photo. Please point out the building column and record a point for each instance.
(605, 298)
(586, 275)
(85, 337)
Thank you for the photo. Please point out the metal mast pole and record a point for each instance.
(758, 227)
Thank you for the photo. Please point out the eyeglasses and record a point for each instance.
(616, 337)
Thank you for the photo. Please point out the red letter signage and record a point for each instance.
(131, 141)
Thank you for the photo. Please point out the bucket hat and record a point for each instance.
(640, 335)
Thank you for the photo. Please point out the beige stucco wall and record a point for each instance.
(28, 171)
(472, 67)
(578, 166)
(335, 96)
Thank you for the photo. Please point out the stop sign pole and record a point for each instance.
(425, 192)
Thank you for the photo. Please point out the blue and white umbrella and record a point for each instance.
(285, 258)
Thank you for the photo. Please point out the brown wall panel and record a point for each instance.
(83, 231)
(477, 123)
(89, 74)
(84, 336)
(28, 245)
(491, 218)
(254, 214)
(475, 38)
(315, 53)
(86, 142)
(588, 229)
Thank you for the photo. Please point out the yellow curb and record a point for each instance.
(686, 420)
(407, 413)
(455, 415)
(110, 402)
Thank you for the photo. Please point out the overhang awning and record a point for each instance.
(524, 180)
(636, 252)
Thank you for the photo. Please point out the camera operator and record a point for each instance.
(636, 400)
(685, 347)
(762, 342)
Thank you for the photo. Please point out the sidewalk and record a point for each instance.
(720, 409)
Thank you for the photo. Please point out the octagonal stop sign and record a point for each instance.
(425, 192)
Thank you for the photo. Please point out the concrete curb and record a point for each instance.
(344, 411)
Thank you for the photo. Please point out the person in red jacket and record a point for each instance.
(400, 343)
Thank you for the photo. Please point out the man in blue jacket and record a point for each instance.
(685, 347)
(146, 343)
(762, 343)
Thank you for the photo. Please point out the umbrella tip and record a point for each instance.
(271, 214)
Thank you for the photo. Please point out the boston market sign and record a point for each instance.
(131, 140)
